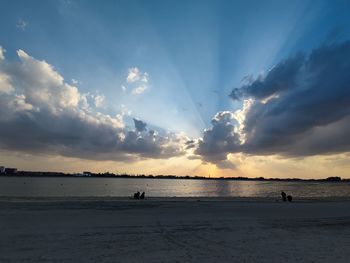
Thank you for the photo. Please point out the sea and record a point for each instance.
(125, 187)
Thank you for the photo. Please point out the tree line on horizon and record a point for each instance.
(125, 175)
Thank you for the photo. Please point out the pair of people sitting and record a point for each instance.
(286, 197)
(137, 195)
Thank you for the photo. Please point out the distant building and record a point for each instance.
(2, 169)
(10, 170)
(86, 173)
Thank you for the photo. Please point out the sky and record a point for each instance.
(209, 88)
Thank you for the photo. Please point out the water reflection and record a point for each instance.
(25, 186)
(223, 188)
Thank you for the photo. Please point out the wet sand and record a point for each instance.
(173, 230)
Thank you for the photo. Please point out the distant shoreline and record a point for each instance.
(126, 176)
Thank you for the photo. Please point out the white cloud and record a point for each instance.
(144, 77)
(139, 90)
(135, 75)
(2, 52)
(240, 116)
(75, 82)
(137, 81)
(5, 84)
(99, 100)
(19, 104)
(44, 86)
(21, 24)
(84, 104)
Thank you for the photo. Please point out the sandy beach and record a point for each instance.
(173, 230)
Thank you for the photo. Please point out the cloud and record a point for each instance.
(151, 145)
(139, 90)
(137, 80)
(281, 77)
(134, 74)
(301, 107)
(75, 82)
(42, 85)
(140, 126)
(219, 140)
(307, 114)
(44, 114)
(21, 24)
(2, 53)
(5, 84)
(19, 104)
(226, 164)
(99, 100)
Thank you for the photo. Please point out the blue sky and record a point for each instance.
(192, 53)
(195, 52)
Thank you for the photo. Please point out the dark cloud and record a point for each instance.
(151, 145)
(300, 108)
(140, 126)
(219, 140)
(190, 144)
(226, 164)
(309, 117)
(280, 78)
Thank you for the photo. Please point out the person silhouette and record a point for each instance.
(142, 196)
(290, 198)
(137, 195)
(284, 196)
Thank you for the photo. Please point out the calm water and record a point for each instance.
(82, 187)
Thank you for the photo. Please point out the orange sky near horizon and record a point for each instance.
(316, 167)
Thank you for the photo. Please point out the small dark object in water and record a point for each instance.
(284, 196)
(290, 198)
(137, 195)
(142, 196)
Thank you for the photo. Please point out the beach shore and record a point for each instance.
(173, 230)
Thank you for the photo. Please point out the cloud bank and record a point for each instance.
(301, 107)
(41, 113)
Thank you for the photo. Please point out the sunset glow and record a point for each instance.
(207, 88)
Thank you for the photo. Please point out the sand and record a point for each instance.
(173, 230)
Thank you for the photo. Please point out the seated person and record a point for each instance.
(284, 196)
(142, 196)
(137, 195)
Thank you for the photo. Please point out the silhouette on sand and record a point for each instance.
(137, 195)
(284, 196)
